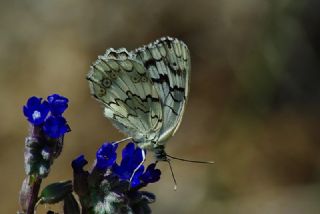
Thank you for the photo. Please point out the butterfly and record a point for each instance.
(144, 91)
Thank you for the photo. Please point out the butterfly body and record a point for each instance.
(144, 91)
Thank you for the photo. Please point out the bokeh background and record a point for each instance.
(253, 107)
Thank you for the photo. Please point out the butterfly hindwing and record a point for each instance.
(124, 86)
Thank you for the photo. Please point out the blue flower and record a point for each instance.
(56, 127)
(79, 163)
(106, 156)
(131, 158)
(35, 110)
(57, 104)
(151, 174)
(113, 188)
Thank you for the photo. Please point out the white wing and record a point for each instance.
(123, 85)
(168, 63)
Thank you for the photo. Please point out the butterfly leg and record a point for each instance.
(123, 140)
(140, 164)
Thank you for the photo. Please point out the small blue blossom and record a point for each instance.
(131, 158)
(113, 188)
(56, 127)
(57, 104)
(35, 110)
(151, 174)
(106, 156)
(45, 142)
(79, 163)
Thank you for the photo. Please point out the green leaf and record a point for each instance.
(55, 192)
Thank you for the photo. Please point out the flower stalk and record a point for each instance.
(42, 146)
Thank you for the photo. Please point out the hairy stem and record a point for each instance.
(35, 187)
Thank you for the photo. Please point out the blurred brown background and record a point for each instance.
(253, 107)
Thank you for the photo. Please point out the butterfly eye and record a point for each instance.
(106, 82)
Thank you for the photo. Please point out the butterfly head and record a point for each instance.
(157, 149)
(160, 153)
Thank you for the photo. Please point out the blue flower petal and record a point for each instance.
(127, 156)
(35, 110)
(57, 104)
(137, 157)
(33, 102)
(151, 174)
(128, 150)
(56, 127)
(26, 111)
(136, 178)
(106, 156)
(131, 159)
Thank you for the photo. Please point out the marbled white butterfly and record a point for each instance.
(144, 91)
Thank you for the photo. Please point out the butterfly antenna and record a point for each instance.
(123, 140)
(174, 178)
(191, 161)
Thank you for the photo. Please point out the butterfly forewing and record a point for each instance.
(168, 63)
